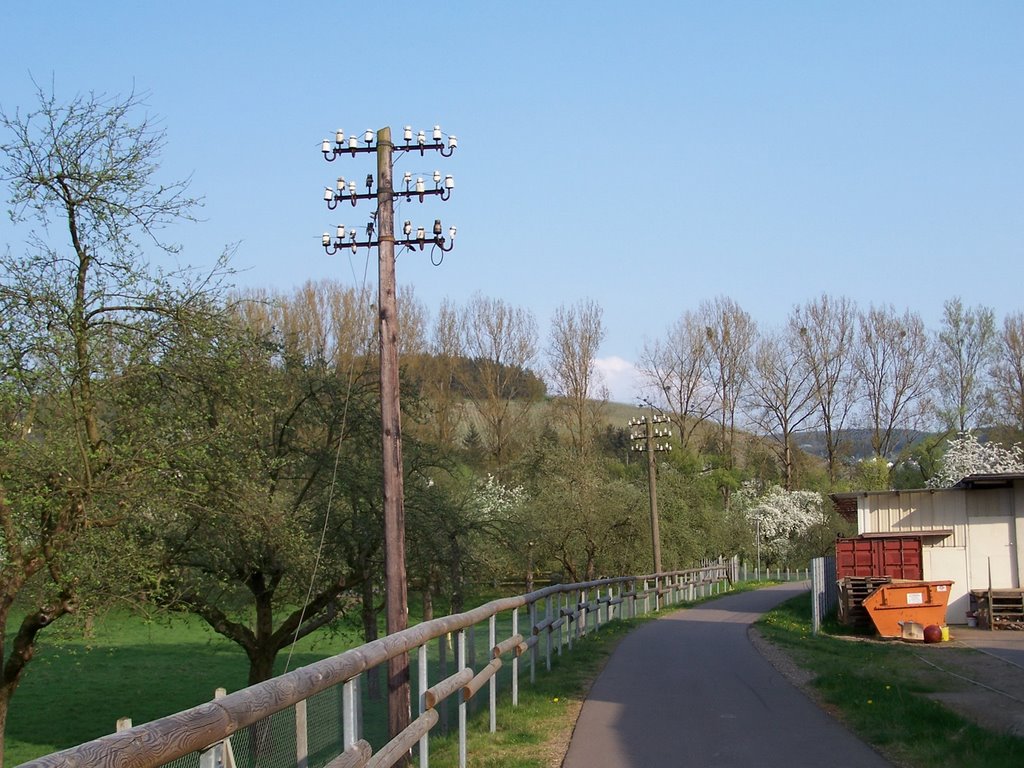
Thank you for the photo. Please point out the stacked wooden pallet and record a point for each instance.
(852, 591)
(999, 608)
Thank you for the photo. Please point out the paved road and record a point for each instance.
(690, 690)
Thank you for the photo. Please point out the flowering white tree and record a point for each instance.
(966, 455)
(495, 501)
(782, 516)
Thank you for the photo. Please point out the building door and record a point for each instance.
(992, 544)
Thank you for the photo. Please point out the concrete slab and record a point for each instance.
(1006, 644)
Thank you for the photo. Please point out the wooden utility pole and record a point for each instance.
(397, 602)
(399, 700)
(652, 494)
(644, 441)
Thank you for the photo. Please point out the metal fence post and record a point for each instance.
(515, 660)
(564, 626)
(492, 639)
(824, 597)
(461, 665)
(350, 720)
(547, 633)
(533, 648)
(474, 703)
(424, 683)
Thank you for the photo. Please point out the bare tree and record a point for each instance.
(321, 323)
(439, 380)
(730, 333)
(965, 348)
(1008, 370)
(781, 395)
(676, 368)
(825, 328)
(893, 360)
(413, 333)
(576, 336)
(501, 342)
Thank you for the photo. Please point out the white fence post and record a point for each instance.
(548, 618)
(515, 660)
(350, 706)
(492, 639)
(534, 649)
(461, 665)
(424, 683)
(564, 619)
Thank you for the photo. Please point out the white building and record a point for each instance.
(969, 533)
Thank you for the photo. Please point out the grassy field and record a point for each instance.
(80, 682)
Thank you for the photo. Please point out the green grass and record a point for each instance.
(80, 683)
(879, 688)
(530, 735)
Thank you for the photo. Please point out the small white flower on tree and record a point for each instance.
(496, 501)
(782, 516)
(966, 455)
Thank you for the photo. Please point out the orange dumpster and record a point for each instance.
(902, 602)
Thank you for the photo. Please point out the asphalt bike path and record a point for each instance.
(689, 689)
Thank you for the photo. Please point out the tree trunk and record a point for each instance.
(264, 649)
(22, 649)
(428, 602)
(788, 460)
(457, 579)
(369, 616)
(6, 691)
(261, 663)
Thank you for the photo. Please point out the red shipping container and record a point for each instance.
(898, 557)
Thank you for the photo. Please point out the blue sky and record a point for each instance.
(647, 156)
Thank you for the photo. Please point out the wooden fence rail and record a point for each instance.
(559, 615)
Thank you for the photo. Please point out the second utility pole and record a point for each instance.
(652, 492)
(644, 441)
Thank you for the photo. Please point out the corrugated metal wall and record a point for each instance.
(913, 511)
